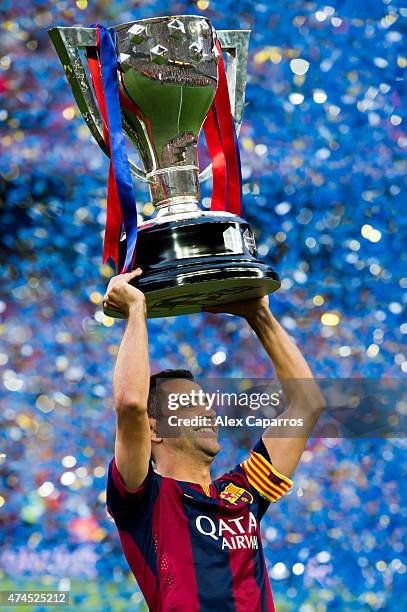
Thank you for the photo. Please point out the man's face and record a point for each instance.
(188, 403)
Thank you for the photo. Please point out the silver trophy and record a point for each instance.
(168, 68)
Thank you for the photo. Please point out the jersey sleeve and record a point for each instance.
(124, 505)
(266, 483)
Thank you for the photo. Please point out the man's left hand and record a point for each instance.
(247, 309)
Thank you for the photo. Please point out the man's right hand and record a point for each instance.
(121, 296)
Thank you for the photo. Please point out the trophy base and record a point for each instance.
(194, 262)
(192, 291)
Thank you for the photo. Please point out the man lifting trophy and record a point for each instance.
(191, 542)
(159, 81)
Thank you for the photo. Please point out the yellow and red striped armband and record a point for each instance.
(264, 477)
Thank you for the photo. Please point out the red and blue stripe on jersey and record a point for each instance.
(190, 551)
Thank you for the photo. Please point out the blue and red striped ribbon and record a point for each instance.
(121, 205)
(223, 147)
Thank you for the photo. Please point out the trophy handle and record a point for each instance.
(236, 45)
(67, 43)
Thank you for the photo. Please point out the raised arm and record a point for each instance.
(303, 397)
(131, 379)
(302, 394)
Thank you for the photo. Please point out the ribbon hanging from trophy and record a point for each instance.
(223, 148)
(121, 206)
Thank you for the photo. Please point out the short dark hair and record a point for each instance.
(153, 403)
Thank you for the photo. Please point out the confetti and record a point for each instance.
(322, 146)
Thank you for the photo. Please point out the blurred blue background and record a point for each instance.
(323, 159)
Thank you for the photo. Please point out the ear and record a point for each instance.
(153, 431)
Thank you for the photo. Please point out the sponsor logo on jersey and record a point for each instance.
(233, 533)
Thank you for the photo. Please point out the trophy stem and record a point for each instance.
(174, 185)
(181, 204)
